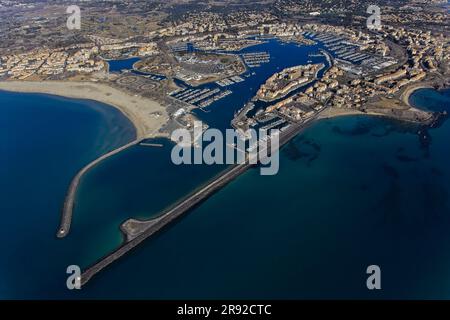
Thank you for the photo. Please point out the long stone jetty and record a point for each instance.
(165, 219)
(67, 211)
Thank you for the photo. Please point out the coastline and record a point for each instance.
(410, 90)
(140, 111)
(127, 105)
(136, 231)
(331, 112)
(147, 116)
(414, 115)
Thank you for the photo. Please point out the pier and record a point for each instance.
(202, 98)
(67, 211)
(148, 144)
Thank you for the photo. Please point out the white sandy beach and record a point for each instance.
(411, 89)
(148, 116)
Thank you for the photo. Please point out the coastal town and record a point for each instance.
(166, 65)
(372, 70)
(281, 83)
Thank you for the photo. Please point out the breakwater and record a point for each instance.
(67, 211)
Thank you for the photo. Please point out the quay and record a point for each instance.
(147, 144)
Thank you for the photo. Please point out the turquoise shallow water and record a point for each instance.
(350, 192)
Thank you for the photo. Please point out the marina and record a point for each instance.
(200, 97)
(230, 81)
(349, 52)
(255, 59)
(215, 98)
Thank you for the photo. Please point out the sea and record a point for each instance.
(351, 192)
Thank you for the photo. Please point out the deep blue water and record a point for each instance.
(127, 64)
(122, 64)
(350, 192)
(45, 140)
